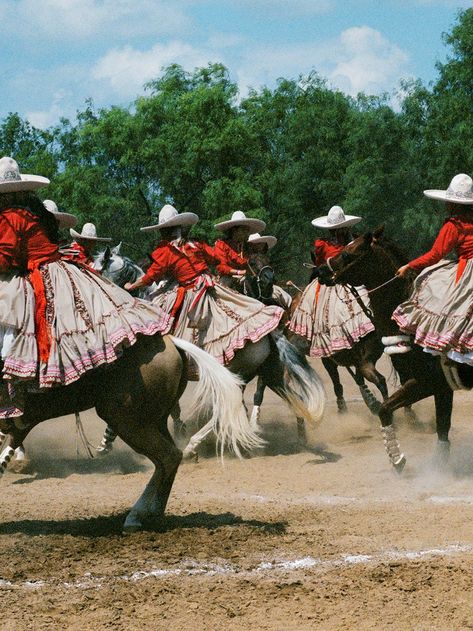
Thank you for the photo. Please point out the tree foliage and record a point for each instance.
(285, 155)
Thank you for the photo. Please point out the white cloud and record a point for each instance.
(51, 116)
(68, 20)
(126, 69)
(366, 61)
(360, 59)
(287, 9)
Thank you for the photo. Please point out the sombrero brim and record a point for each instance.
(255, 225)
(27, 183)
(269, 240)
(78, 235)
(65, 220)
(321, 222)
(443, 197)
(182, 219)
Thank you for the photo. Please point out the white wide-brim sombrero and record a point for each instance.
(64, 220)
(240, 219)
(12, 181)
(336, 218)
(266, 238)
(89, 233)
(170, 218)
(460, 191)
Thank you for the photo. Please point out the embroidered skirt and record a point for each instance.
(330, 318)
(89, 320)
(439, 312)
(217, 319)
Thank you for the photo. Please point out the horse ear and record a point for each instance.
(106, 254)
(116, 249)
(378, 233)
(368, 238)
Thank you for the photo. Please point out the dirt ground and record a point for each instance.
(289, 539)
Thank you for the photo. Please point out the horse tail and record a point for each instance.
(220, 392)
(303, 388)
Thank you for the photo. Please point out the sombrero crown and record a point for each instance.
(240, 219)
(12, 181)
(336, 218)
(89, 233)
(460, 191)
(266, 238)
(64, 220)
(169, 218)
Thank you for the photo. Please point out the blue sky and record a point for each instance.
(57, 53)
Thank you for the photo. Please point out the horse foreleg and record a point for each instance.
(178, 424)
(371, 401)
(106, 444)
(332, 369)
(257, 401)
(369, 372)
(411, 392)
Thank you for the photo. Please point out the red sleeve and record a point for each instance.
(159, 266)
(209, 253)
(319, 247)
(446, 241)
(9, 240)
(228, 259)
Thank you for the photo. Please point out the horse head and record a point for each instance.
(259, 279)
(117, 268)
(359, 263)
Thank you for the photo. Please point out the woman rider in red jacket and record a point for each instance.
(203, 311)
(57, 319)
(439, 311)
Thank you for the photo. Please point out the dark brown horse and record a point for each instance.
(372, 260)
(134, 397)
(360, 360)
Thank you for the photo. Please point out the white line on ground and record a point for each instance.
(191, 567)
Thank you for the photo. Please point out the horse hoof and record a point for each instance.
(442, 452)
(400, 464)
(104, 451)
(341, 406)
(190, 456)
(19, 466)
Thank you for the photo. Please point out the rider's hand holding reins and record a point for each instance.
(404, 271)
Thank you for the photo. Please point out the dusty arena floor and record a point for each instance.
(289, 539)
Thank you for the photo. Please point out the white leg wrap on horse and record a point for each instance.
(392, 447)
(5, 457)
(106, 444)
(196, 439)
(255, 416)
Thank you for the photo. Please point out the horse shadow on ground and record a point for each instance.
(112, 525)
(120, 462)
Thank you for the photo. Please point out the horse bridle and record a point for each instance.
(257, 277)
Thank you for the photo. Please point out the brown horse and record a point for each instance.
(372, 260)
(134, 397)
(273, 359)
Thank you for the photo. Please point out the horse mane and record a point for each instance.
(392, 249)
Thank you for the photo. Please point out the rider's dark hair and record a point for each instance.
(30, 201)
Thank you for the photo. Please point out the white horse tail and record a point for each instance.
(220, 392)
(304, 389)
